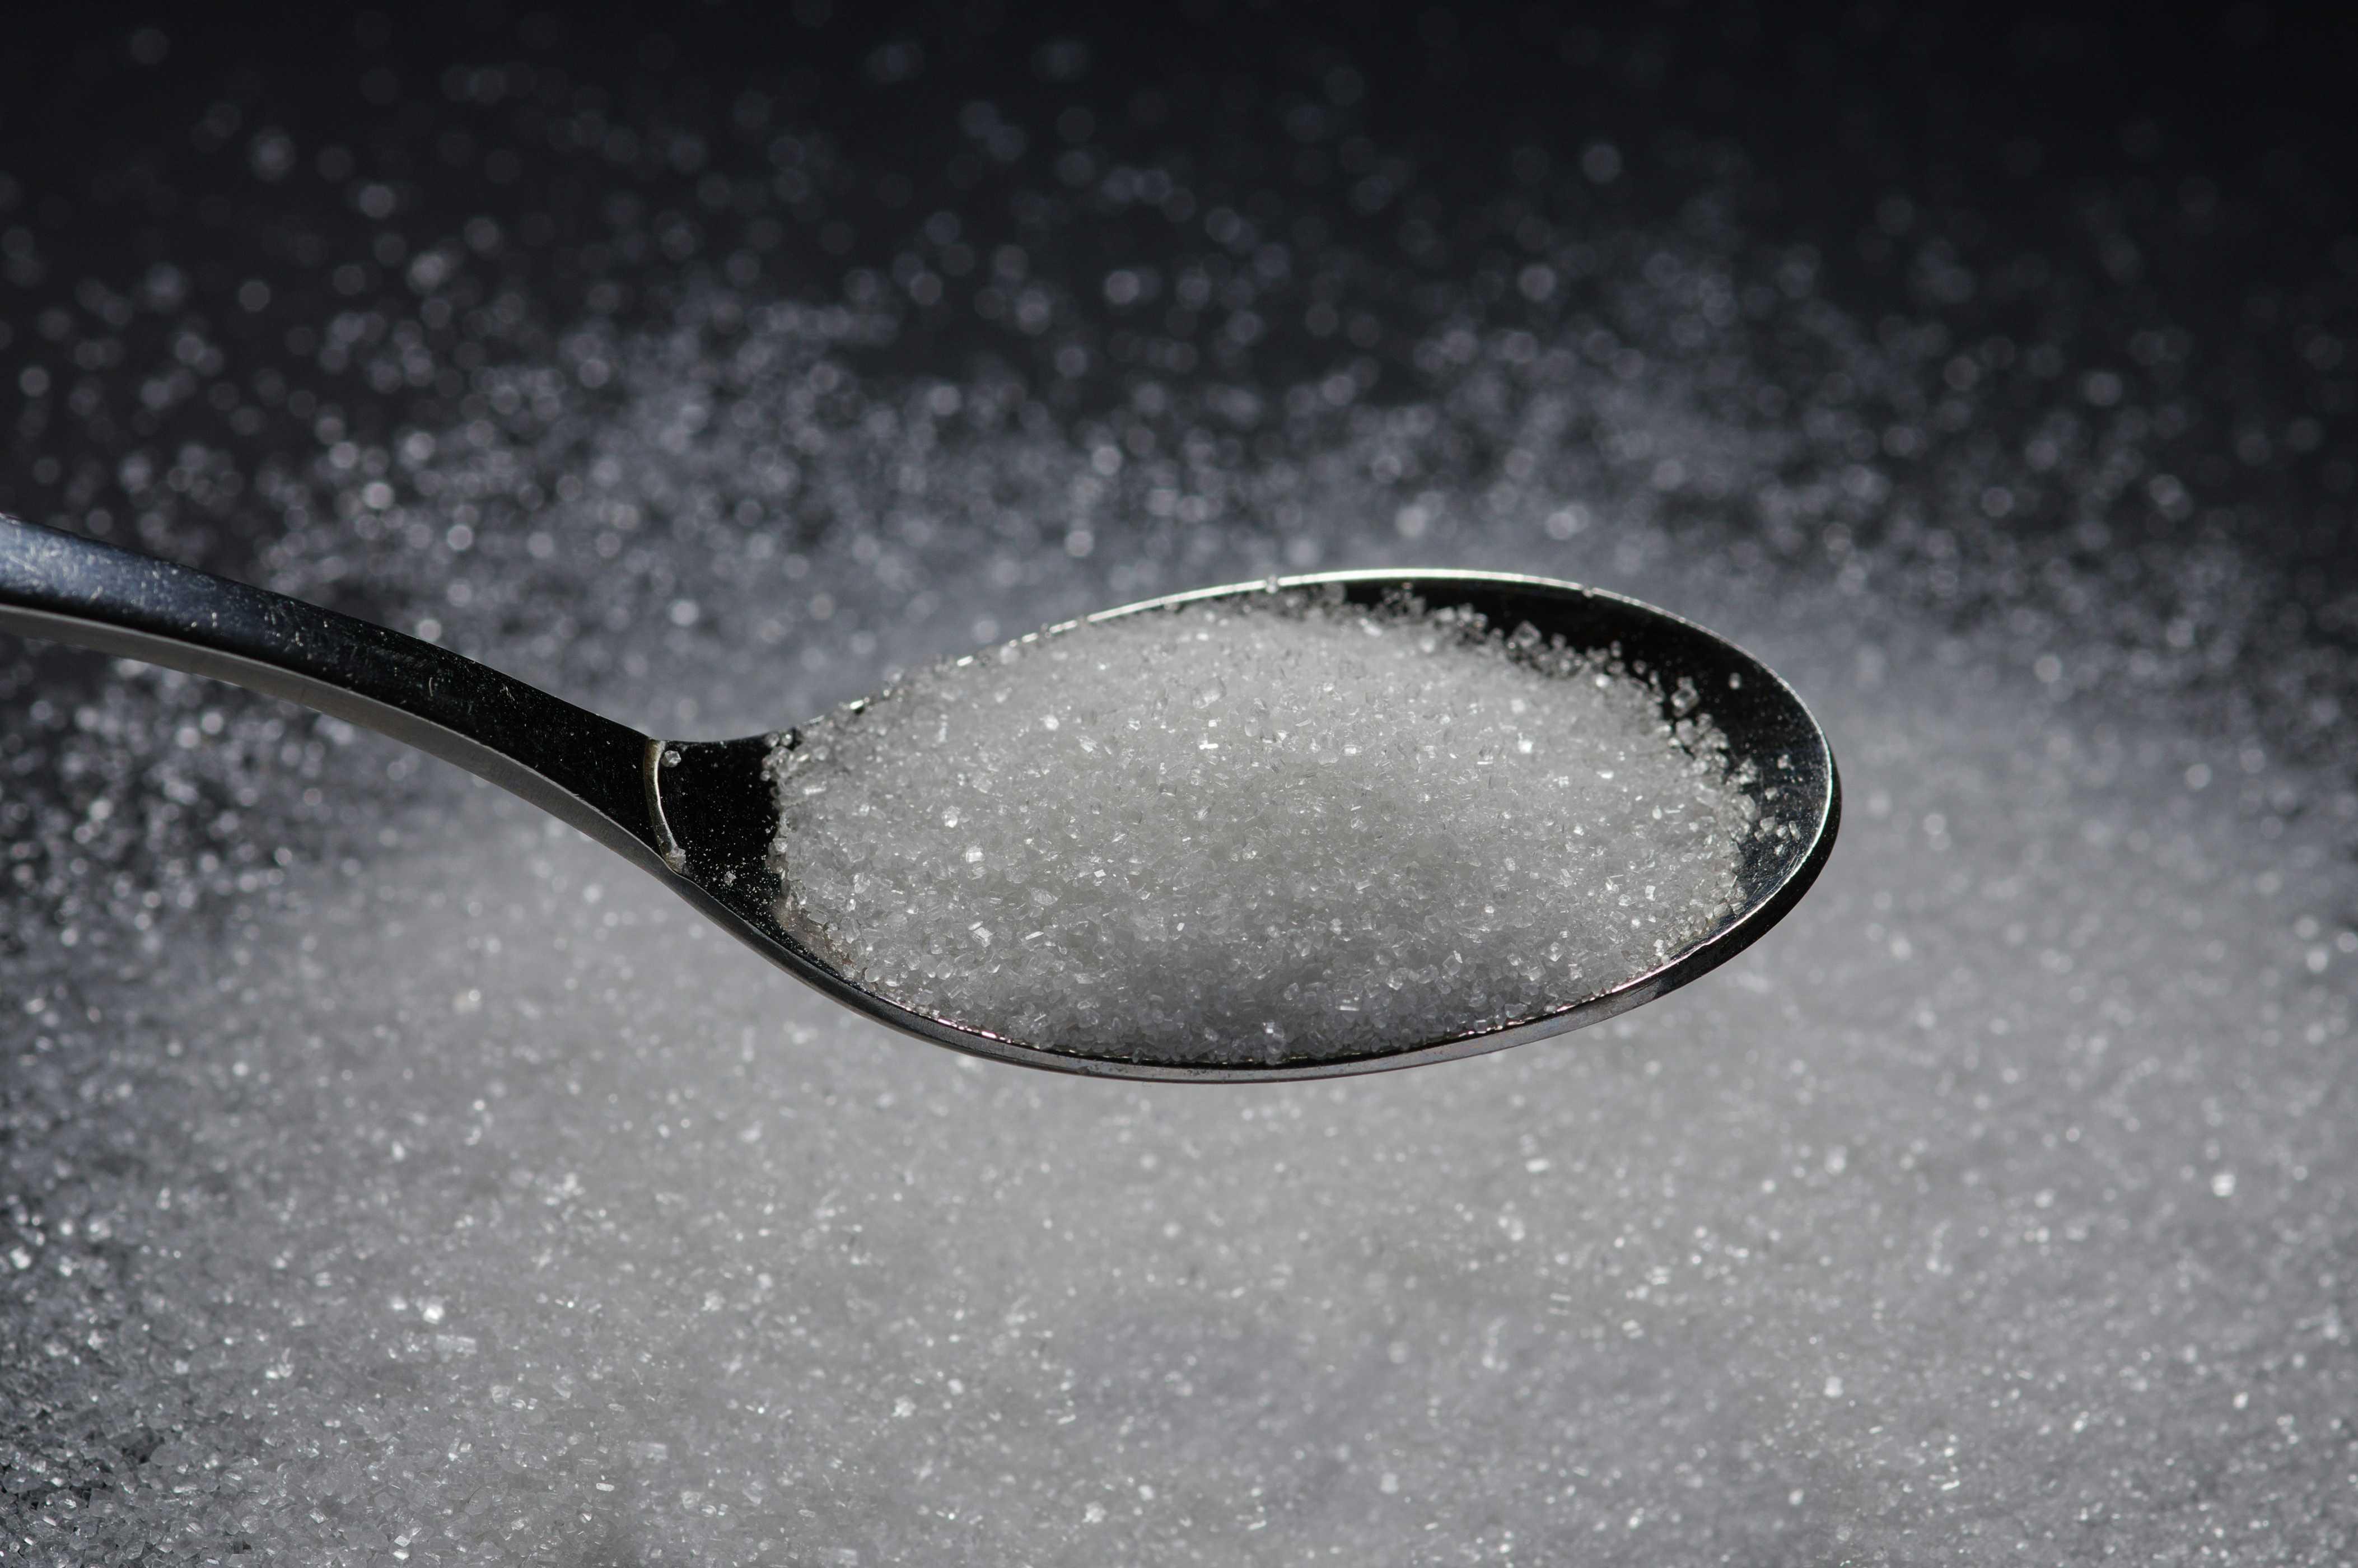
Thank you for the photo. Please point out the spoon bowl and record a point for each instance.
(701, 815)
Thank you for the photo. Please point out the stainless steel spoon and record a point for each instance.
(699, 815)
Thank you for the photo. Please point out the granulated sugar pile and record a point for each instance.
(1257, 829)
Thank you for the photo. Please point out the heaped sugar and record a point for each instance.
(1275, 827)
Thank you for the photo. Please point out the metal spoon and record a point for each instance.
(699, 815)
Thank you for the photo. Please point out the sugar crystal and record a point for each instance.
(1270, 829)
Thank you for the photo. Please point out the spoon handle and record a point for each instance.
(588, 771)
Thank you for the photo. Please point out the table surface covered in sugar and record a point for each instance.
(385, 1171)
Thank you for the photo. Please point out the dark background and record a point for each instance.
(2203, 153)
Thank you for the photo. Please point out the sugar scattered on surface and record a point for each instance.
(1261, 829)
(2024, 1130)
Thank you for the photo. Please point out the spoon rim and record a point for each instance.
(1760, 914)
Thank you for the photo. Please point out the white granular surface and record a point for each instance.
(387, 1168)
(1261, 829)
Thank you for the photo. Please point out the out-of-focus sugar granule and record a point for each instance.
(1267, 828)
